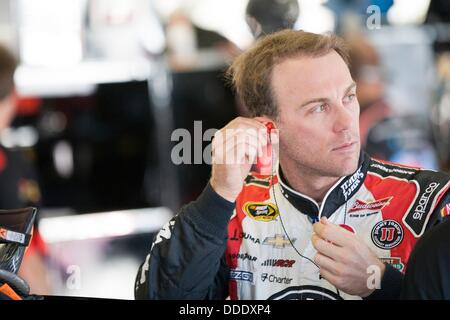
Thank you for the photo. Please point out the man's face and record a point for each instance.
(318, 115)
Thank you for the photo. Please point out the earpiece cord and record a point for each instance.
(345, 212)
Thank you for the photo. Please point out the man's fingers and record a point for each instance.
(333, 233)
(240, 153)
(330, 277)
(326, 248)
(252, 124)
(236, 146)
(327, 263)
(237, 142)
(227, 135)
(245, 122)
(230, 137)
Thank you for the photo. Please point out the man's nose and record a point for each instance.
(344, 118)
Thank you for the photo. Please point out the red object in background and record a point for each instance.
(27, 106)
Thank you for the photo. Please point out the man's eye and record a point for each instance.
(320, 108)
(350, 97)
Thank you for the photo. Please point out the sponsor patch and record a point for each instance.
(261, 211)
(375, 205)
(242, 256)
(417, 217)
(396, 262)
(259, 182)
(279, 241)
(243, 235)
(400, 171)
(240, 275)
(283, 263)
(421, 208)
(387, 234)
(267, 277)
(352, 183)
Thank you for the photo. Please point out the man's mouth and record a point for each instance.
(345, 146)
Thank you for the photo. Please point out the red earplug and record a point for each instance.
(269, 126)
(263, 165)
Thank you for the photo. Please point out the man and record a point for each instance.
(253, 236)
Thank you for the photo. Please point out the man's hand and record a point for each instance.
(344, 259)
(234, 150)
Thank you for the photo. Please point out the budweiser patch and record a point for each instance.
(375, 205)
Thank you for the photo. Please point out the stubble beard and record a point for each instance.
(315, 166)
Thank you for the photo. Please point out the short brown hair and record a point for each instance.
(8, 65)
(250, 73)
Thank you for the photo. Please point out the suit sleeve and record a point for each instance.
(186, 260)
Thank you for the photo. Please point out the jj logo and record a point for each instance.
(387, 234)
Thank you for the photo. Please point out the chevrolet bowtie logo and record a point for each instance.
(279, 241)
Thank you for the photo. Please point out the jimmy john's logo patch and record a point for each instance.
(261, 211)
(387, 234)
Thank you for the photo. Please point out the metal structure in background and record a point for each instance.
(162, 183)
